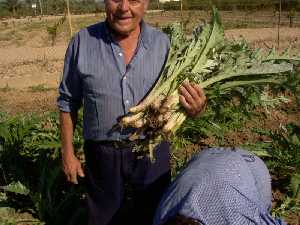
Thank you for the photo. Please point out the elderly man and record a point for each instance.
(110, 67)
(219, 187)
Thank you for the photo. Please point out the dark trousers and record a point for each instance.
(108, 170)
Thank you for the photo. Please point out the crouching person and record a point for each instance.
(220, 186)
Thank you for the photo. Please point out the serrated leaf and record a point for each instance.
(295, 186)
(295, 140)
(16, 187)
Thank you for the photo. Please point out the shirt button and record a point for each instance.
(120, 54)
(125, 78)
(127, 102)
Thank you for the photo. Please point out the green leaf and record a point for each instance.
(16, 187)
(295, 186)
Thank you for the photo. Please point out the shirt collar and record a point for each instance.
(144, 35)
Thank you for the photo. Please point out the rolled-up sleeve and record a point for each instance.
(70, 89)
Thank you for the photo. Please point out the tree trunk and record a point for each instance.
(291, 21)
(14, 11)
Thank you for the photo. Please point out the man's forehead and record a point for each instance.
(126, 0)
(144, 3)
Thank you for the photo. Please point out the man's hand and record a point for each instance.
(72, 168)
(71, 165)
(192, 98)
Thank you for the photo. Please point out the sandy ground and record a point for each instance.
(30, 65)
(267, 37)
(25, 66)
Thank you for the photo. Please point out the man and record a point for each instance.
(111, 66)
(219, 187)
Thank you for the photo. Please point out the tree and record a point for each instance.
(12, 6)
(56, 6)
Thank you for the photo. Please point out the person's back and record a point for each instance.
(219, 187)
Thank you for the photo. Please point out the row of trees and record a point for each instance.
(24, 7)
(17, 8)
(246, 5)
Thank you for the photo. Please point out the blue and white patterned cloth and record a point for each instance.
(220, 186)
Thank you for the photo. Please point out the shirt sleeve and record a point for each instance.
(281, 221)
(70, 89)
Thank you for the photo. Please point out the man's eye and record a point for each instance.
(134, 2)
(131, 2)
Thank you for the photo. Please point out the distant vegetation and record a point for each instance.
(244, 5)
(19, 8)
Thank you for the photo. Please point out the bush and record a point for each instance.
(4, 13)
(30, 158)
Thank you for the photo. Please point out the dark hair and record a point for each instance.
(181, 220)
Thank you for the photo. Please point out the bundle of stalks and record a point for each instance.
(212, 62)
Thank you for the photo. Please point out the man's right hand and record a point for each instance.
(71, 165)
(72, 168)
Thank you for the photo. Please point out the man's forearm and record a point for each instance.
(67, 126)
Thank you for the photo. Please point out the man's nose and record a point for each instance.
(124, 5)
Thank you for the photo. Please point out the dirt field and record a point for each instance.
(32, 64)
(31, 68)
(30, 74)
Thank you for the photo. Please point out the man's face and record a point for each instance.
(124, 16)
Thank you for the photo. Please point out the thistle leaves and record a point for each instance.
(16, 187)
(225, 70)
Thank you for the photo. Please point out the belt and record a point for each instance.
(115, 144)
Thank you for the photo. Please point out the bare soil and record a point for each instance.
(18, 101)
(32, 64)
(27, 57)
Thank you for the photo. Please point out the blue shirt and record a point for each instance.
(220, 187)
(96, 75)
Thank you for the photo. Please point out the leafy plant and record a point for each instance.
(12, 5)
(30, 158)
(283, 160)
(223, 69)
(53, 30)
(16, 187)
(39, 88)
(291, 201)
(283, 149)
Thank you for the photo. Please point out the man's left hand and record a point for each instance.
(192, 98)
